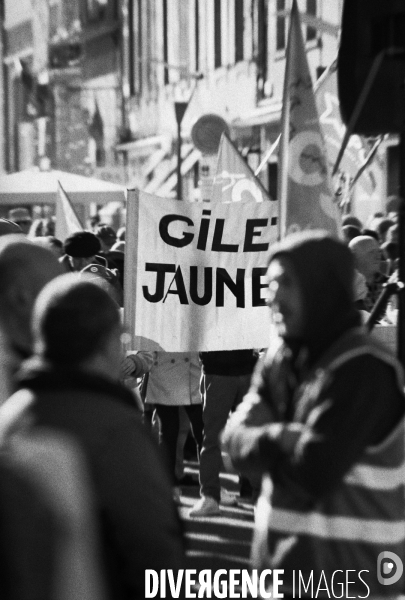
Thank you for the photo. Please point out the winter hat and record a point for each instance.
(82, 244)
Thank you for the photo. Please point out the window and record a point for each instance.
(272, 174)
(262, 20)
(138, 46)
(96, 131)
(165, 43)
(197, 35)
(217, 34)
(239, 30)
(261, 33)
(96, 10)
(311, 10)
(131, 48)
(281, 37)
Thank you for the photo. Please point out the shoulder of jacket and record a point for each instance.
(358, 343)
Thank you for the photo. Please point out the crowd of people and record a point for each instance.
(314, 426)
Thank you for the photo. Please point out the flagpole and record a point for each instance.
(272, 148)
(258, 182)
(285, 135)
(366, 161)
(360, 105)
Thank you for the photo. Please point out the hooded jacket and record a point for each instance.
(325, 271)
(322, 421)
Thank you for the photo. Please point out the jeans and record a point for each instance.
(169, 429)
(221, 394)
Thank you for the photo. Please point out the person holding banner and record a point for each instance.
(225, 380)
(323, 423)
(174, 380)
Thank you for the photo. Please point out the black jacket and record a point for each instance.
(139, 524)
(229, 362)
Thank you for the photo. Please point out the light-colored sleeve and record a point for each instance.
(143, 362)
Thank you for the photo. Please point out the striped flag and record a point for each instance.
(67, 221)
(305, 193)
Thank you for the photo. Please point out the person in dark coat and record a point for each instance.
(323, 423)
(25, 268)
(81, 249)
(72, 383)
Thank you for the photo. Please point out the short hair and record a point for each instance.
(393, 203)
(350, 232)
(24, 263)
(72, 320)
(370, 233)
(106, 233)
(351, 220)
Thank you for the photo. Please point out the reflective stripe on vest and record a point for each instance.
(338, 528)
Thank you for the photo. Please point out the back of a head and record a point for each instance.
(325, 270)
(350, 232)
(82, 244)
(25, 269)
(26, 264)
(362, 243)
(73, 318)
(371, 233)
(9, 227)
(107, 235)
(367, 254)
(383, 226)
(351, 220)
(393, 204)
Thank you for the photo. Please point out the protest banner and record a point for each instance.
(195, 274)
(67, 221)
(305, 191)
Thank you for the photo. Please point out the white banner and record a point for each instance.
(195, 274)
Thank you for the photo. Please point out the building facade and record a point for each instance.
(92, 85)
(62, 99)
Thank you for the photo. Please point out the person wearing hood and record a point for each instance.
(71, 388)
(323, 424)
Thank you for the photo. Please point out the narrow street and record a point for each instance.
(217, 542)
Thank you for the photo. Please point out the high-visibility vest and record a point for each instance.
(341, 540)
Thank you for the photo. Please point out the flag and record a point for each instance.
(305, 191)
(67, 221)
(333, 128)
(234, 180)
